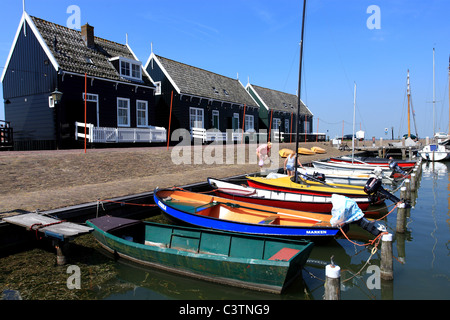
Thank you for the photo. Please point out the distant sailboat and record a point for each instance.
(435, 151)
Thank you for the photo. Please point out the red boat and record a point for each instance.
(294, 201)
(404, 164)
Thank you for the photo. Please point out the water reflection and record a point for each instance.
(421, 259)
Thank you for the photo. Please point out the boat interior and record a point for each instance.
(226, 209)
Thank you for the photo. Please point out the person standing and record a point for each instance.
(263, 152)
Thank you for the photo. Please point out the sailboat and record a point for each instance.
(435, 151)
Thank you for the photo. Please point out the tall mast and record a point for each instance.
(299, 91)
(448, 96)
(434, 96)
(354, 113)
(409, 112)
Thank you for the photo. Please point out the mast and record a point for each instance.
(299, 91)
(409, 103)
(434, 96)
(448, 134)
(354, 112)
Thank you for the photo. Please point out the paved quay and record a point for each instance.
(46, 180)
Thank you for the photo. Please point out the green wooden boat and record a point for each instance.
(246, 261)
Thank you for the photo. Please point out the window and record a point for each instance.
(125, 68)
(196, 118)
(249, 123)
(91, 97)
(158, 88)
(235, 121)
(135, 71)
(286, 126)
(141, 113)
(128, 68)
(276, 123)
(215, 119)
(123, 112)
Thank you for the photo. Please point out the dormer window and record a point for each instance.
(128, 68)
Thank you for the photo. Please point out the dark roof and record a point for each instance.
(280, 101)
(198, 82)
(72, 54)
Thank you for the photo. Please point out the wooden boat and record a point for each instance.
(434, 152)
(305, 151)
(334, 176)
(294, 201)
(318, 150)
(218, 213)
(370, 161)
(286, 184)
(240, 260)
(285, 152)
(354, 167)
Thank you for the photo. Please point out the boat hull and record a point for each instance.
(285, 185)
(243, 261)
(434, 153)
(182, 215)
(404, 164)
(320, 204)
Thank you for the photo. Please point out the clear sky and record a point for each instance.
(259, 40)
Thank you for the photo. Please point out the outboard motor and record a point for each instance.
(373, 187)
(373, 227)
(393, 165)
(319, 176)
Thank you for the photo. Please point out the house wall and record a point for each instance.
(182, 103)
(28, 81)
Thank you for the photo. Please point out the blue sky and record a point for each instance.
(259, 40)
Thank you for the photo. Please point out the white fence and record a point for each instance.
(231, 135)
(117, 135)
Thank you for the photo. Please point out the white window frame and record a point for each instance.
(141, 110)
(92, 97)
(197, 113)
(215, 113)
(128, 112)
(128, 66)
(286, 126)
(249, 123)
(158, 88)
(276, 123)
(236, 116)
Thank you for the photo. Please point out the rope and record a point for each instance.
(39, 225)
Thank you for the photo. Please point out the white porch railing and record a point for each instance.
(117, 135)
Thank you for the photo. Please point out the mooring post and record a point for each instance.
(386, 264)
(412, 186)
(401, 218)
(408, 189)
(332, 282)
(60, 252)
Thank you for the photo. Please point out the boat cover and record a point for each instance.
(108, 223)
(345, 210)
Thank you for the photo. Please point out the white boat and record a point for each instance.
(355, 168)
(346, 177)
(434, 152)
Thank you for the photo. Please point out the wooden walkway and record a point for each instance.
(50, 227)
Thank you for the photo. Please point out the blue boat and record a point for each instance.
(206, 211)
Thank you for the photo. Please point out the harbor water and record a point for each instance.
(421, 262)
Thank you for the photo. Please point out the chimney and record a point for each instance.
(87, 33)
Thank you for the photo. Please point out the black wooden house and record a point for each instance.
(50, 68)
(208, 105)
(278, 110)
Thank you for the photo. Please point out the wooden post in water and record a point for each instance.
(60, 252)
(408, 189)
(386, 264)
(332, 282)
(401, 218)
(413, 184)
